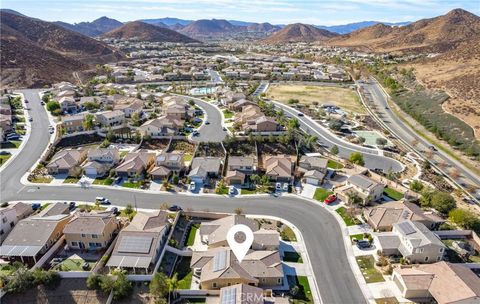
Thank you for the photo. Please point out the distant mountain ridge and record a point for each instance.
(147, 32)
(350, 27)
(93, 29)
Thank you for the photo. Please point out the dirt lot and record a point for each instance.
(345, 98)
(155, 144)
(69, 291)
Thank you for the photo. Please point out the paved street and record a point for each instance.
(212, 132)
(328, 139)
(407, 134)
(320, 229)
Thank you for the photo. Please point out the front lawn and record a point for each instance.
(89, 208)
(391, 300)
(321, 194)
(288, 235)
(71, 180)
(349, 220)
(334, 164)
(303, 294)
(294, 257)
(367, 266)
(184, 273)
(3, 159)
(228, 114)
(130, 216)
(392, 193)
(131, 185)
(12, 144)
(103, 181)
(191, 234)
(248, 191)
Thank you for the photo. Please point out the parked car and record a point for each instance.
(278, 186)
(433, 148)
(330, 199)
(5, 153)
(175, 208)
(26, 100)
(224, 129)
(207, 122)
(285, 187)
(102, 200)
(30, 119)
(114, 210)
(72, 206)
(231, 190)
(13, 137)
(36, 206)
(192, 186)
(363, 244)
(195, 133)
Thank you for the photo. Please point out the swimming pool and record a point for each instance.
(202, 91)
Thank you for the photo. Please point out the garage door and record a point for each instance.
(90, 171)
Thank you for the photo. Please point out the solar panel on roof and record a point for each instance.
(229, 296)
(406, 228)
(135, 244)
(220, 260)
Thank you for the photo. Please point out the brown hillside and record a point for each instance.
(438, 34)
(147, 32)
(210, 28)
(299, 32)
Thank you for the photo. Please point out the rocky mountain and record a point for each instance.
(212, 27)
(35, 52)
(350, 27)
(147, 32)
(299, 32)
(168, 21)
(94, 28)
(438, 34)
(262, 27)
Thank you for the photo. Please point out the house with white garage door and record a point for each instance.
(100, 161)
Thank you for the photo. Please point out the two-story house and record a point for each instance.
(361, 187)
(110, 118)
(100, 161)
(167, 163)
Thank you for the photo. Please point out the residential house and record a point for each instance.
(73, 123)
(68, 105)
(91, 231)
(135, 106)
(166, 163)
(361, 187)
(100, 161)
(214, 233)
(248, 113)
(413, 241)
(231, 97)
(5, 122)
(443, 282)
(135, 164)
(67, 161)
(8, 219)
(384, 216)
(314, 169)
(261, 124)
(278, 168)
(110, 118)
(34, 236)
(139, 244)
(162, 126)
(239, 167)
(239, 104)
(205, 167)
(220, 268)
(177, 107)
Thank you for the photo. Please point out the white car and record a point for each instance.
(285, 187)
(231, 190)
(192, 186)
(278, 186)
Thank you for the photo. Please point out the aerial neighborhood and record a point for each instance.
(218, 161)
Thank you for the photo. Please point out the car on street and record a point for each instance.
(330, 199)
(26, 100)
(300, 114)
(433, 148)
(207, 122)
(72, 206)
(192, 186)
(102, 200)
(278, 186)
(114, 210)
(13, 137)
(224, 129)
(195, 133)
(30, 119)
(175, 208)
(231, 190)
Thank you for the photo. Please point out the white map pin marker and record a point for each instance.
(240, 249)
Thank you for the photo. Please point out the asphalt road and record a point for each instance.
(213, 132)
(371, 156)
(321, 231)
(408, 135)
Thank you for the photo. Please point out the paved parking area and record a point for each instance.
(308, 190)
(156, 185)
(58, 179)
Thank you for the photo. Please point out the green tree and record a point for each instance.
(357, 158)
(441, 201)
(416, 186)
(110, 135)
(88, 122)
(158, 285)
(172, 286)
(334, 150)
(293, 124)
(128, 209)
(122, 287)
(135, 119)
(53, 105)
(465, 218)
(93, 281)
(335, 124)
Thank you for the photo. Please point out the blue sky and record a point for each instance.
(320, 12)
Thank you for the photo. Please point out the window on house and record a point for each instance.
(98, 244)
(83, 235)
(214, 285)
(94, 236)
(74, 244)
(279, 281)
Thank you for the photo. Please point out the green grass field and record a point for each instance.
(192, 233)
(350, 221)
(13, 144)
(367, 266)
(103, 181)
(131, 185)
(393, 193)
(321, 194)
(334, 164)
(71, 180)
(73, 265)
(184, 273)
(227, 114)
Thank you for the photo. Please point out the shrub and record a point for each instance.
(121, 287)
(53, 105)
(93, 281)
(357, 158)
(441, 201)
(466, 219)
(416, 186)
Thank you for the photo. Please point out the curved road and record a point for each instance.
(213, 132)
(408, 135)
(371, 156)
(324, 241)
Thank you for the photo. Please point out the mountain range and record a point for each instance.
(35, 52)
(299, 32)
(147, 32)
(94, 28)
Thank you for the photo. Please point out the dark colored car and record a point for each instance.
(175, 208)
(363, 244)
(72, 206)
(5, 153)
(300, 114)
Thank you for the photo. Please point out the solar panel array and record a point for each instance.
(406, 228)
(229, 296)
(135, 244)
(220, 260)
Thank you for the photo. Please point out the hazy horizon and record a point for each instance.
(273, 11)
